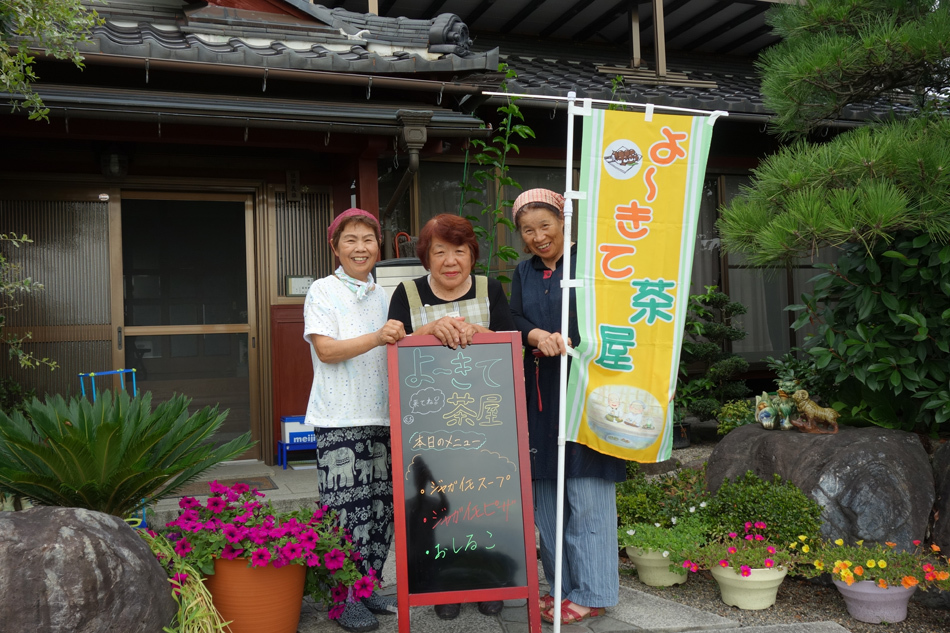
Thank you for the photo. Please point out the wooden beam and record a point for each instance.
(659, 38)
(735, 22)
(477, 12)
(566, 17)
(433, 9)
(748, 37)
(634, 15)
(520, 17)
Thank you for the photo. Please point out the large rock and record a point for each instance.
(68, 570)
(873, 483)
(941, 529)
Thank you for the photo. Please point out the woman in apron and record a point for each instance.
(453, 305)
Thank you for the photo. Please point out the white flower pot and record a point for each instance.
(653, 568)
(867, 602)
(753, 592)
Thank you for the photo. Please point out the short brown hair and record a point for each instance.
(448, 228)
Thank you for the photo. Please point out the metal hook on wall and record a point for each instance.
(146, 70)
(824, 132)
(395, 161)
(264, 87)
(369, 87)
(554, 111)
(764, 127)
(438, 100)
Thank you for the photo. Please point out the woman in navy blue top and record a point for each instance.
(589, 578)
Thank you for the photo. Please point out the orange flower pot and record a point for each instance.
(257, 599)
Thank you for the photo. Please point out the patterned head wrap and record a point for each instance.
(349, 214)
(530, 196)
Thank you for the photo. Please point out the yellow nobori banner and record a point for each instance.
(636, 234)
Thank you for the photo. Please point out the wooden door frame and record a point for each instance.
(255, 369)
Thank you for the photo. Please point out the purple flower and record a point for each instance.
(180, 578)
(217, 504)
(356, 556)
(291, 550)
(233, 496)
(216, 488)
(260, 557)
(182, 547)
(189, 515)
(339, 593)
(244, 518)
(188, 502)
(318, 514)
(234, 533)
(308, 539)
(336, 611)
(258, 535)
(363, 588)
(313, 560)
(334, 559)
(240, 488)
(745, 570)
(230, 552)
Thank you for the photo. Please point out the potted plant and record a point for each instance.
(659, 550)
(876, 580)
(258, 562)
(748, 565)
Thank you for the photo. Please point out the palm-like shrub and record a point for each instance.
(109, 455)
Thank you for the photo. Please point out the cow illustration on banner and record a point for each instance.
(643, 176)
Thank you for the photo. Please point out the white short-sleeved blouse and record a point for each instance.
(353, 392)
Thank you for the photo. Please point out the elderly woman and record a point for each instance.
(453, 305)
(589, 580)
(346, 326)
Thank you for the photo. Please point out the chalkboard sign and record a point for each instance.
(461, 475)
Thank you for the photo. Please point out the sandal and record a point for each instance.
(569, 615)
(546, 603)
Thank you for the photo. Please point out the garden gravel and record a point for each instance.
(798, 600)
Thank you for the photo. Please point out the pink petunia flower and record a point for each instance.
(336, 611)
(292, 551)
(363, 588)
(334, 559)
(308, 539)
(180, 578)
(188, 502)
(230, 552)
(313, 560)
(217, 504)
(260, 557)
(240, 488)
(218, 489)
(234, 533)
(339, 593)
(182, 547)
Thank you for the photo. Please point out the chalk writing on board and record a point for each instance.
(485, 366)
(417, 377)
(462, 413)
(428, 400)
(465, 484)
(470, 544)
(474, 511)
(408, 419)
(444, 440)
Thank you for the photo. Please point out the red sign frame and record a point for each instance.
(530, 592)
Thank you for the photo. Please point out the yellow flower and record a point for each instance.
(861, 542)
(839, 541)
(871, 563)
(792, 545)
(882, 563)
(805, 548)
(802, 538)
(819, 565)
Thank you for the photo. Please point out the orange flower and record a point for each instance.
(908, 582)
(882, 583)
(859, 571)
(889, 544)
(934, 547)
(942, 575)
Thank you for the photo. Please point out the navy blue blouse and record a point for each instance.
(536, 303)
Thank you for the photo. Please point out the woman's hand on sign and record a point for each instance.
(452, 331)
(392, 332)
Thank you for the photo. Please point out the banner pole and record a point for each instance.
(562, 402)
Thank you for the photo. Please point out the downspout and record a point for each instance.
(412, 137)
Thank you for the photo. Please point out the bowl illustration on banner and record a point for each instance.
(623, 159)
(624, 416)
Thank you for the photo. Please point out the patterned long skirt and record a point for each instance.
(355, 477)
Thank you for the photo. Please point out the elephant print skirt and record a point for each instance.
(355, 473)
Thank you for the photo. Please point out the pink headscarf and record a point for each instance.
(530, 196)
(349, 214)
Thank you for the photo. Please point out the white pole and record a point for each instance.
(562, 401)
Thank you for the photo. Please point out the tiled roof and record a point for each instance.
(542, 70)
(337, 40)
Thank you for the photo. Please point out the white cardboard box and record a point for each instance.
(294, 431)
